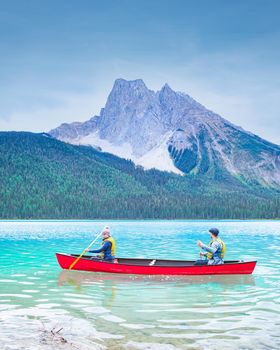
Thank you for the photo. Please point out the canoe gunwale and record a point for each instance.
(158, 262)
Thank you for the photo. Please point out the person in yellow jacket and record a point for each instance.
(216, 250)
(108, 248)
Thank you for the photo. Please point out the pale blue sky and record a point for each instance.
(59, 59)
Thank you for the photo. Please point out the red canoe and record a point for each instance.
(155, 267)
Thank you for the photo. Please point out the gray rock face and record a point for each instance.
(170, 131)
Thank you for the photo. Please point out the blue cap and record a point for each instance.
(214, 231)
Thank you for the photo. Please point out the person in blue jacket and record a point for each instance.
(215, 251)
(108, 248)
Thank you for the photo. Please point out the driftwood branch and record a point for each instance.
(53, 335)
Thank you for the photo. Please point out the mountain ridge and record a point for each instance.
(171, 131)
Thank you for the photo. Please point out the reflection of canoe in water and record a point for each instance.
(80, 278)
(155, 267)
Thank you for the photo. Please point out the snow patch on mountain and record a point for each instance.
(159, 157)
(124, 150)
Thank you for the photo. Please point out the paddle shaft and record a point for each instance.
(79, 257)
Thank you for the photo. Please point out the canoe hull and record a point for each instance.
(85, 264)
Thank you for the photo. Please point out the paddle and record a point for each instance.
(79, 257)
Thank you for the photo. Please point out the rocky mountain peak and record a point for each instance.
(127, 92)
(166, 89)
(166, 94)
(122, 84)
(171, 131)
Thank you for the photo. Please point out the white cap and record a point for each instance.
(106, 230)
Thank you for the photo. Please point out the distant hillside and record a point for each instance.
(44, 178)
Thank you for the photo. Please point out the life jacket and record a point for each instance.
(223, 252)
(113, 246)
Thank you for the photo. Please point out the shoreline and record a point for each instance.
(145, 220)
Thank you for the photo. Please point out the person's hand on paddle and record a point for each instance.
(199, 243)
(86, 250)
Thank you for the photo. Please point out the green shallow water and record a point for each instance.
(134, 312)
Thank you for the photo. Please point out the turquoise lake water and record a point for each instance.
(132, 312)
